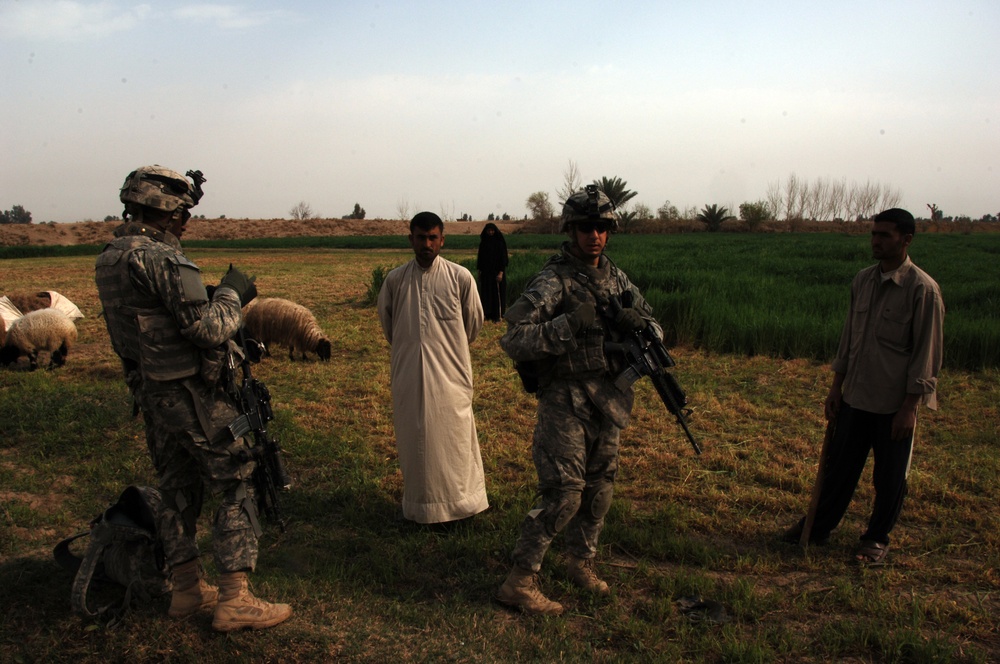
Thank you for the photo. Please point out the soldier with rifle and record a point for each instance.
(580, 335)
(176, 344)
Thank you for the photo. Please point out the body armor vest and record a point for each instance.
(143, 332)
(588, 360)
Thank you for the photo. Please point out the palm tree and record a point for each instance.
(617, 190)
(713, 216)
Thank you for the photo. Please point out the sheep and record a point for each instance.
(44, 329)
(276, 320)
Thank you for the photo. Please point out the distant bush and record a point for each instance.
(15, 215)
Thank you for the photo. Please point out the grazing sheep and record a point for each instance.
(276, 320)
(45, 329)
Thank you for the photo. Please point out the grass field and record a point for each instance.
(366, 587)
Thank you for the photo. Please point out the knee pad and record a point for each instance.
(601, 502)
(560, 511)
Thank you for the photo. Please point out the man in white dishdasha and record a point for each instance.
(430, 312)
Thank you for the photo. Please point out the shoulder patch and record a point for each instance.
(545, 287)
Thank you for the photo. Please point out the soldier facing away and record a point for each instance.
(561, 325)
(176, 347)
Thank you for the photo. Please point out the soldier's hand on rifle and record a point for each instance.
(581, 316)
(629, 320)
(241, 284)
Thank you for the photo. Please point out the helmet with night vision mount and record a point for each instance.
(591, 204)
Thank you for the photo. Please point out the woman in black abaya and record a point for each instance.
(491, 270)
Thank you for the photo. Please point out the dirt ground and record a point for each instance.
(97, 232)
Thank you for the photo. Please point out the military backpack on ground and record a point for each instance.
(124, 549)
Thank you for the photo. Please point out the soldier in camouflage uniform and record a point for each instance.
(178, 354)
(560, 326)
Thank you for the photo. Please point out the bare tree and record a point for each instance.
(803, 199)
(818, 194)
(403, 209)
(837, 199)
(775, 199)
(866, 199)
(891, 196)
(792, 197)
(301, 211)
(448, 213)
(571, 182)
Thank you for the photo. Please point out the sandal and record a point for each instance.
(871, 552)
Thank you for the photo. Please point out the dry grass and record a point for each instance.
(367, 588)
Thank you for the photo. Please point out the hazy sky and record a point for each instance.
(469, 107)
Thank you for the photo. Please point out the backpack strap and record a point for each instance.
(85, 573)
(66, 558)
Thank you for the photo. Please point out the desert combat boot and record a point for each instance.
(238, 608)
(581, 572)
(520, 591)
(191, 593)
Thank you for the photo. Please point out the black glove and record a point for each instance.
(241, 283)
(582, 316)
(629, 320)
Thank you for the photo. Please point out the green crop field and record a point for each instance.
(787, 295)
(754, 319)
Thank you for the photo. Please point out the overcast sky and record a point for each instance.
(469, 107)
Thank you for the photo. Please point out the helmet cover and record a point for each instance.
(158, 188)
(590, 204)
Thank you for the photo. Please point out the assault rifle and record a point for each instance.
(646, 355)
(270, 475)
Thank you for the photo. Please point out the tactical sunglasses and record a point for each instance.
(591, 226)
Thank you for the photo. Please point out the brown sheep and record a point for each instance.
(274, 320)
(28, 302)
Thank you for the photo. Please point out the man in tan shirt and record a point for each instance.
(886, 366)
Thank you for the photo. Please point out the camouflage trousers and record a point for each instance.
(575, 450)
(192, 452)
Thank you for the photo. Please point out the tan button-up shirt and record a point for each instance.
(892, 341)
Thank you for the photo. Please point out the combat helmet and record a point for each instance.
(590, 204)
(161, 189)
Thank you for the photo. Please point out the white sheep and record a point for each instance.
(276, 320)
(45, 329)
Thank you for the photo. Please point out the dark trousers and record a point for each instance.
(857, 433)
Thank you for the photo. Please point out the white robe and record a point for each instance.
(429, 318)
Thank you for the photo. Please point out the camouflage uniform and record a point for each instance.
(176, 351)
(580, 411)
